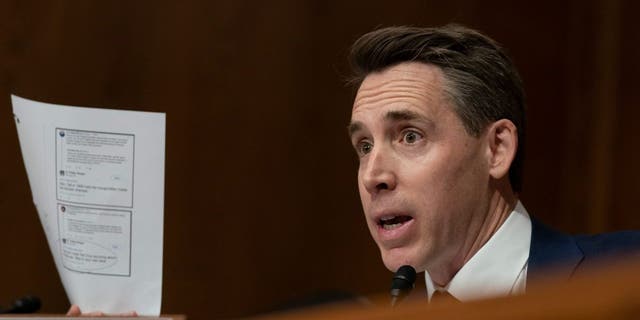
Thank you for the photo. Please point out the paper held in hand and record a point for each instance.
(97, 180)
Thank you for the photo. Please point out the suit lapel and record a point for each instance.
(551, 253)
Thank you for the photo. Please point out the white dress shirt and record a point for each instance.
(499, 268)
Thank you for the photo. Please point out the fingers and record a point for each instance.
(75, 311)
(129, 314)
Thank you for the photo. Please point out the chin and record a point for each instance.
(396, 258)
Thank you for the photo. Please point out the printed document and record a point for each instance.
(97, 180)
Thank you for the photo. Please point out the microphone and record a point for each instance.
(27, 304)
(402, 283)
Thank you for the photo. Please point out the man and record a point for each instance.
(438, 125)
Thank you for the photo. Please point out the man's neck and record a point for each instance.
(501, 203)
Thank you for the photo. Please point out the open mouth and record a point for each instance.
(392, 222)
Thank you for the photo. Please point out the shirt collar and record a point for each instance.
(495, 268)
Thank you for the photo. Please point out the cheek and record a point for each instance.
(445, 185)
(472, 174)
(432, 180)
(464, 189)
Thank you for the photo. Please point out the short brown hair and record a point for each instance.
(480, 79)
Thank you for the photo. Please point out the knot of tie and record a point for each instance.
(440, 296)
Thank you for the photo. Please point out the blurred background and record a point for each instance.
(261, 203)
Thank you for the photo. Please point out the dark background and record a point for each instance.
(261, 203)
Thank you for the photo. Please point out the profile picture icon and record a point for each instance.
(63, 208)
(62, 134)
(62, 172)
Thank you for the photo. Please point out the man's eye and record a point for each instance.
(411, 137)
(364, 147)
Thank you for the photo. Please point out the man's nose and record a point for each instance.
(379, 174)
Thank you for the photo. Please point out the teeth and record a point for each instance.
(391, 226)
(387, 218)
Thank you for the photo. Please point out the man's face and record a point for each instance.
(423, 180)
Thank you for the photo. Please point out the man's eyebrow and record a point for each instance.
(395, 115)
(402, 115)
(354, 127)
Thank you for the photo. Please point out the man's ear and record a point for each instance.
(502, 138)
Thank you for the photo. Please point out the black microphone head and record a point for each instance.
(402, 283)
(26, 304)
(404, 278)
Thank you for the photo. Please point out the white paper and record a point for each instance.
(97, 179)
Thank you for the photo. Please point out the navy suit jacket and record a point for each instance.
(565, 255)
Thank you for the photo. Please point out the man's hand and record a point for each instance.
(75, 311)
